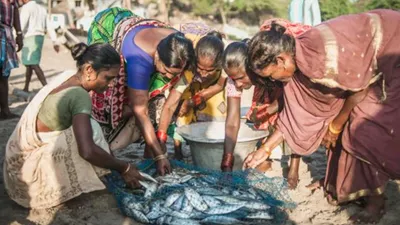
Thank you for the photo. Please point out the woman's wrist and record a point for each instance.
(266, 149)
(335, 128)
(160, 157)
(162, 136)
(228, 160)
(127, 169)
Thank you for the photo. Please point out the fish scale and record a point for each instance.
(223, 209)
(195, 199)
(221, 220)
(171, 199)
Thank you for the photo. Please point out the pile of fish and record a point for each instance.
(191, 198)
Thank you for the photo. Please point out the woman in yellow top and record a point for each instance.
(203, 100)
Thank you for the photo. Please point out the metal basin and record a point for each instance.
(206, 140)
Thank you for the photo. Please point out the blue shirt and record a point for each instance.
(139, 65)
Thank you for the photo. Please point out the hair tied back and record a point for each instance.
(79, 50)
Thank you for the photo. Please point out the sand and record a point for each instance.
(100, 207)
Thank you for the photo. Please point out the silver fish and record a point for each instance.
(210, 179)
(236, 193)
(178, 214)
(171, 199)
(151, 188)
(186, 206)
(197, 215)
(221, 220)
(252, 192)
(226, 191)
(137, 215)
(223, 209)
(257, 206)
(178, 221)
(262, 215)
(178, 204)
(155, 213)
(146, 209)
(161, 220)
(168, 180)
(229, 199)
(152, 172)
(135, 205)
(157, 204)
(185, 178)
(194, 183)
(148, 177)
(211, 201)
(126, 200)
(195, 199)
(209, 191)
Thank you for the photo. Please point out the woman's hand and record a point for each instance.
(132, 177)
(255, 158)
(163, 166)
(331, 137)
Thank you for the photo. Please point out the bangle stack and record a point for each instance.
(162, 136)
(227, 161)
(159, 157)
(333, 130)
(127, 169)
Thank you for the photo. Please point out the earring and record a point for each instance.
(88, 78)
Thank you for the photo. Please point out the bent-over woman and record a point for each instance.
(57, 151)
(342, 90)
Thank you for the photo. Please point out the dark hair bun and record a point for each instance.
(216, 34)
(277, 28)
(79, 50)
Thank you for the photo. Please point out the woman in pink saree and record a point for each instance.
(342, 91)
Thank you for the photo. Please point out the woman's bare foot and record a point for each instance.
(373, 211)
(293, 174)
(293, 179)
(316, 185)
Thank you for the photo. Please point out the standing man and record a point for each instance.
(34, 23)
(9, 17)
(305, 11)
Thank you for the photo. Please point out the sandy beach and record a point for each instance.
(101, 208)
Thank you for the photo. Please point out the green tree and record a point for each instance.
(334, 8)
(203, 7)
(383, 4)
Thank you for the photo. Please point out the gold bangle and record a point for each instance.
(127, 169)
(333, 130)
(159, 157)
(268, 151)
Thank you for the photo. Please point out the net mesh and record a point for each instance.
(195, 195)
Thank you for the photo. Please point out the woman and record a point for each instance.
(202, 100)
(266, 93)
(57, 151)
(147, 46)
(264, 104)
(342, 90)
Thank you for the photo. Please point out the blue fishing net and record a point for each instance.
(247, 197)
